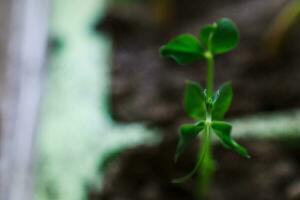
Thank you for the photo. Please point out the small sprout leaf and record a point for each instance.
(205, 145)
(223, 130)
(184, 49)
(188, 132)
(206, 35)
(194, 100)
(221, 101)
(225, 37)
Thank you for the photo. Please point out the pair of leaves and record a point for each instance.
(196, 101)
(219, 37)
(189, 132)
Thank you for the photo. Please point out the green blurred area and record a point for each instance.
(76, 132)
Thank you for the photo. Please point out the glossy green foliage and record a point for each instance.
(184, 49)
(205, 144)
(194, 101)
(206, 34)
(221, 101)
(219, 37)
(188, 132)
(197, 105)
(204, 106)
(223, 130)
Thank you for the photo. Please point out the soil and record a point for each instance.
(145, 173)
(147, 89)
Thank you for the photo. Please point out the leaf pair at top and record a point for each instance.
(196, 105)
(219, 37)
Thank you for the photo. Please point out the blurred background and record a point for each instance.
(89, 110)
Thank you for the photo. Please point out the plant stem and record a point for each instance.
(206, 170)
(210, 74)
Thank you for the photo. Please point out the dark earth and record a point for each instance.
(145, 173)
(265, 74)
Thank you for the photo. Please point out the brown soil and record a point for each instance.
(145, 173)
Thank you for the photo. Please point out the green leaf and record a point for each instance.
(188, 132)
(223, 130)
(206, 35)
(205, 145)
(194, 101)
(184, 49)
(225, 37)
(221, 101)
(220, 37)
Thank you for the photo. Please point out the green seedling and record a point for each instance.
(206, 107)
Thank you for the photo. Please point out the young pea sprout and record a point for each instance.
(205, 106)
